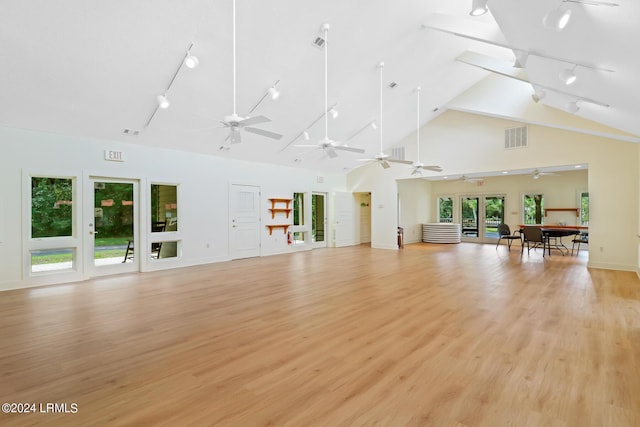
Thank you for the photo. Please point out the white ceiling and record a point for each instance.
(92, 68)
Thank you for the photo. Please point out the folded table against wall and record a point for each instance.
(441, 232)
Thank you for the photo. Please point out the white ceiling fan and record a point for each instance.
(326, 144)
(381, 158)
(537, 173)
(471, 179)
(234, 122)
(418, 165)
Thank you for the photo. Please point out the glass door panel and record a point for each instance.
(493, 215)
(318, 220)
(113, 231)
(469, 206)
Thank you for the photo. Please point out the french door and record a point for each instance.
(111, 227)
(480, 216)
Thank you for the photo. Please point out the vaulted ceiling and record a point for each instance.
(93, 69)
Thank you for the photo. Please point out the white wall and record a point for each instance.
(416, 207)
(561, 191)
(203, 193)
(466, 143)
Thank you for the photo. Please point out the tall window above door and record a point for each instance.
(298, 208)
(164, 207)
(533, 209)
(445, 209)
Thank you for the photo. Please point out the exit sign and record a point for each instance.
(114, 156)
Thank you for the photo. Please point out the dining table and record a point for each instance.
(557, 232)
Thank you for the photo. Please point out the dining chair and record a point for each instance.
(505, 233)
(533, 235)
(582, 238)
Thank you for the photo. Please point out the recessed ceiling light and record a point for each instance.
(577, 166)
(505, 172)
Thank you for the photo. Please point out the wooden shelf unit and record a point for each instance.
(576, 210)
(284, 227)
(274, 210)
(275, 200)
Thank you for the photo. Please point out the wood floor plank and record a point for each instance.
(443, 335)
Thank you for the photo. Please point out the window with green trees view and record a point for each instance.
(51, 207)
(298, 208)
(445, 209)
(533, 209)
(584, 208)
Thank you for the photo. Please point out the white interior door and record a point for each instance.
(344, 227)
(111, 233)
(244, 227)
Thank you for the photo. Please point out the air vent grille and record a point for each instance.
(392, 85)
(516, 138)
(131, 132)
(319, 42)
(397, 153)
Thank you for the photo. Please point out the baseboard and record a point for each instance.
(391, 247)
(608, 266)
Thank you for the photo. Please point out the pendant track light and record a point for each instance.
(538, 94)
(557, 19)
(568, 76)
(478, 7)
(273, 92)
(572, 107)
(191, 61)
(163, 102)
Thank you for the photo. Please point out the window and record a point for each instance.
(51, 245)
(51, 207)
(164, 208)
(298, 208)
(533, 209)
(445, 209)
(584, 208)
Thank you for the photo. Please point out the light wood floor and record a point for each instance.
(442, 335)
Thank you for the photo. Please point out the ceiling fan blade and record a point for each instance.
(254, 120)
(262, 132)
(352, 149)
(331, 152)
(433, 168)
(384, 164)
(406, 162)
(235, 136)
(308, 145)
(366, 160)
